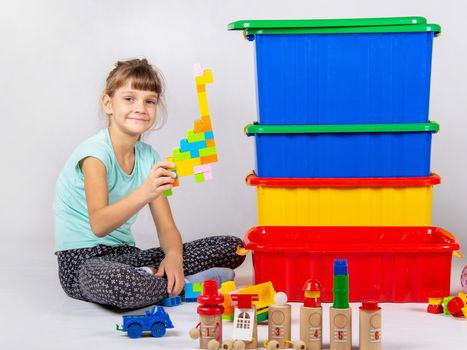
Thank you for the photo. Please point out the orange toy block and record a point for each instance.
(210, 143)
(208, 159)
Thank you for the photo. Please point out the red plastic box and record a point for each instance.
(387, 264)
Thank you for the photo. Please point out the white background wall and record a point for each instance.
(55, 56)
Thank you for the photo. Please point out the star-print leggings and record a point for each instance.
(108, 275)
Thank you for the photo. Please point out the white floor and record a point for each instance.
(36, 314)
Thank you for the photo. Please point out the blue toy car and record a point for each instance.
(155, 320)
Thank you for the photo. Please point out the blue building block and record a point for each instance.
(192, 147)
(208, 135)
(172, 301)
(190, 294)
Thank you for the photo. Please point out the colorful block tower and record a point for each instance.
(343, 136)
(198, 150)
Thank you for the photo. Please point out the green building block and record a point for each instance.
(179, 155)
(199, 177)
(194, 137)
(168, 193)
(198, 287)
(208, 151)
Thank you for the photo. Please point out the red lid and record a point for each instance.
(210, 294)
(344, 239)
(244, 300)
(433, 179)
(370, 305)
(210, 310)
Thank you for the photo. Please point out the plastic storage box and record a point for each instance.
(358, 150)
(387, 264)
(371, 70)
(344, 201)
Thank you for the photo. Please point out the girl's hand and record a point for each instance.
(172, 267)
(159, 180)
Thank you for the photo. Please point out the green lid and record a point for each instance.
(335, 26)
(255, 128)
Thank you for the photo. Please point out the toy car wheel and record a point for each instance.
(158, 329)
(134, 330)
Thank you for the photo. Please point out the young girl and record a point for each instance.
(99, 192)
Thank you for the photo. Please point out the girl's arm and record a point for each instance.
(171, 243)
(105, 218)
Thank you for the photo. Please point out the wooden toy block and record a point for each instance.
(208, 159)
(209, 135)
(193, 136)
(199, 177)
(207, 151)
(210, 143)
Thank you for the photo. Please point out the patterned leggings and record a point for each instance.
(107, 275)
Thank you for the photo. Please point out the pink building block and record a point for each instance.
(208, 176)
(203, 168)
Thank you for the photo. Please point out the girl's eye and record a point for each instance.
(151, 102)
(128, 98)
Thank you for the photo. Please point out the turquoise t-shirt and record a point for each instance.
(72, 229)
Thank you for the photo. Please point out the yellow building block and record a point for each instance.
(203, 104)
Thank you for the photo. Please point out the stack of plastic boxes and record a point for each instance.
(344, 140)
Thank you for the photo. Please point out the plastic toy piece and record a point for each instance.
(446, 300)
(155, 320)
(244, 329)
(172, 301)
(199, 147)
(370, 326)
(266, 294)
(209, 328)
(340, 313)
(311, 316)
(455, 306)
(226, 288)
(192, 290)
(279, 327)
(435, 303)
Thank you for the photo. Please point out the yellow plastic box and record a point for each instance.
(344, 201)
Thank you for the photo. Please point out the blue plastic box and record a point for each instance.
(335, 151)
(342, 75)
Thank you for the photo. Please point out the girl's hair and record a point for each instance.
(143, 76)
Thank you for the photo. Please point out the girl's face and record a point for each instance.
(131, 111)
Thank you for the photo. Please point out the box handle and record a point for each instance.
(456, 253)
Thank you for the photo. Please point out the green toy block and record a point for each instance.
(179, 156)
(168, 193)
(199, 177)
(195, 137)
(208, 151)
(198, 287)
